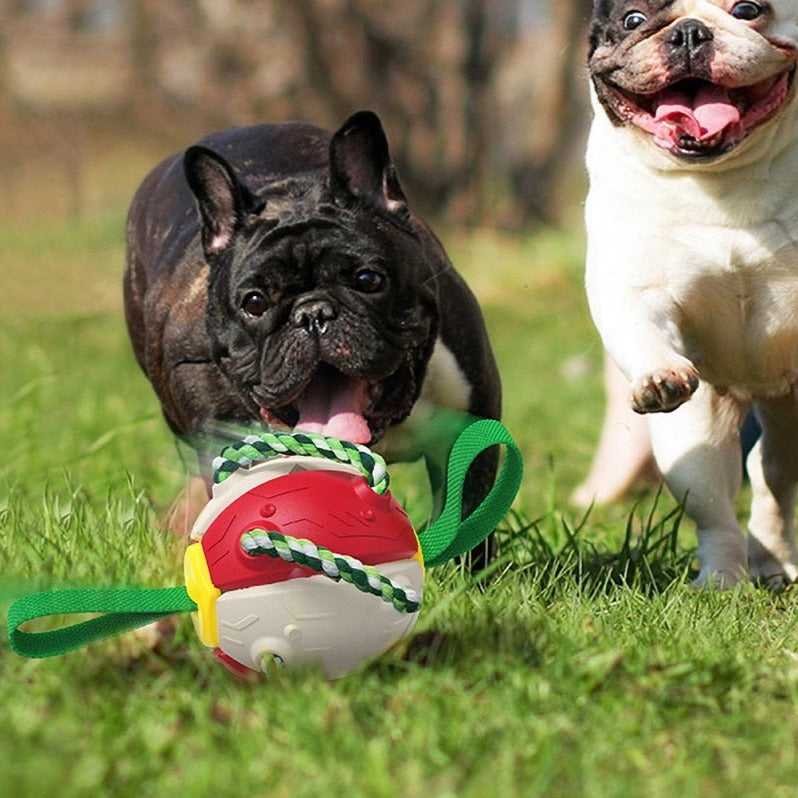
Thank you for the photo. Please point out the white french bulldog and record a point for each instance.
(692, 262)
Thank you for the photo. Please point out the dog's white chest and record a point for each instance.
(735, 297)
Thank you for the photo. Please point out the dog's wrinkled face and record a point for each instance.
(696, 77)
(318, 310)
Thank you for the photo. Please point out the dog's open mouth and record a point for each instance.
(332, 404)
(694, 118)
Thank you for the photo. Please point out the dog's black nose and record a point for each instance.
(313, 315)
(690, 34)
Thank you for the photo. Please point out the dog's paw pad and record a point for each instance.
(663, 390)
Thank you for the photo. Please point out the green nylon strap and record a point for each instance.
(450, 535)
(121, 609)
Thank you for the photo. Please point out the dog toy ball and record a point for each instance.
(299, 559)
(300, 556)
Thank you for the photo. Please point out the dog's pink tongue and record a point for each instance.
(335, 408)
(711, 112)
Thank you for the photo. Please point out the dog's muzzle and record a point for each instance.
(689, 36)
(313, 315)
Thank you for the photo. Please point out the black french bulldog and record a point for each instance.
(275, 274)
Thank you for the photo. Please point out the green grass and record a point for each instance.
(585, 667)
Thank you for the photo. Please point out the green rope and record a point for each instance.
(339, 567)
(265, 445)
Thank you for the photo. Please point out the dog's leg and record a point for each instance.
(773, 470)
(623, 456)
(698, 451)
(640, 330)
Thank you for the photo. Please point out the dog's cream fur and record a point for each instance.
(692, 272)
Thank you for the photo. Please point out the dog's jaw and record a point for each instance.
(698, 120)
(331, 404)
(351, 408)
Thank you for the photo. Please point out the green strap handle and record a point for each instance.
(123, 609)
(449, 535)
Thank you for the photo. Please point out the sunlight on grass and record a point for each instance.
(62, 270)
(582, 665)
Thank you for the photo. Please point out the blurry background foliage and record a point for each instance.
(483, 100)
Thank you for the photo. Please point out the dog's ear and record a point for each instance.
(361, 167)
(223, 201)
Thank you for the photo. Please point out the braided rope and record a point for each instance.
(265, 445)
(338, 567)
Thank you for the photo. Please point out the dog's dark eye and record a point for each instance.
(254, 304)
(368, 281)
(746, 11)
(633, 20)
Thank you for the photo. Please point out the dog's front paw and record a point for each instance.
(768, 570)
(776, 582)
(721, 575)
(718, 580)
(723, 557)
(664, 390)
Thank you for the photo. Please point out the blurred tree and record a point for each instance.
(551, 110)
(427, 69)
(483, 100)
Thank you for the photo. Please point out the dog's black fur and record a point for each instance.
(276, 260)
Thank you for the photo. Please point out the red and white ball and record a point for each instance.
(256, 611)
